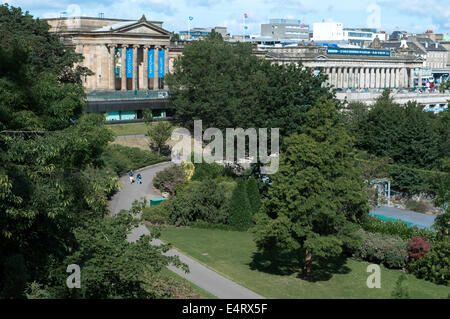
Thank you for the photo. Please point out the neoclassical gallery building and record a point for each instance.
(131, 58)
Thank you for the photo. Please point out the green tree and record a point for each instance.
(445, 86)
(51, 181)
(225, 85)
(254, 198)
(159, 133)
(399, 291)
(240, 210)
(403, 133)
(316, 197)
(47, 53)
(112, 267)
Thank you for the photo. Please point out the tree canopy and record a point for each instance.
(226, 86)
(316, 196)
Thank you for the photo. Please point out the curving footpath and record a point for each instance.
(199, 274)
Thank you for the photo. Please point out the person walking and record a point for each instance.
(131, 173)
(139, 179)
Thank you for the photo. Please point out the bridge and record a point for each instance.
(434, 101)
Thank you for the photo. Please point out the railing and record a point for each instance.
(126, 95)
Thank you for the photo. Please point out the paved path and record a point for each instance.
(413, 218)
(199, 274)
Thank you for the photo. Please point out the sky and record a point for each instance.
(414, 16)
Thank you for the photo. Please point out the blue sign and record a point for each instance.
(129, 63)
(358, 52)
(161, 64)
(151, 63)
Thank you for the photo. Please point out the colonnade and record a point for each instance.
(370, 77)
(136, 64)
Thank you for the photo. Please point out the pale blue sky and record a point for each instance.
(412, 15)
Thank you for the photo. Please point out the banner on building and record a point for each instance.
(151, 63)
(118, 62)
(129, 63)
(348, 51)
(161, 63)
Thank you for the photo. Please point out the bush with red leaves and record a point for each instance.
(418, 247)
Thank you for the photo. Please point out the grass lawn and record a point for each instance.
(230, 254)
(128, 129)
(139, 142)
(196, 289)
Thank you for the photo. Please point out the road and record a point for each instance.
(200, 275)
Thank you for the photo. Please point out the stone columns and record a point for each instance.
(145, 73)
(333, 77)
(123, 67)
(156, 78)
(166, 66)
(405, 78)
(362, 79)
(419, 84)
(135, 67)
(397, 78)
(411, 78)
(382, 78)
(339, 78)
(112, 73)
(356, 78)
(344, 78)
(391, 78)
(351, 78)
(367, 78)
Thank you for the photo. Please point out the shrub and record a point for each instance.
(384, 249)
(157, 215)
(198, 201)
(417, 206)
(204, 171)
(396, 228)
(122, 159)
(254, 197)
(435, 266)
(167, 179)
(418, 247)
(227, 187)
(240, 211)
(399, 291)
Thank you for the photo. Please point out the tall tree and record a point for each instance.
(226, 86)
(241, 213)
(316, 197)
(404, 133)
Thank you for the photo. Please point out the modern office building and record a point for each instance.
(201, 33)
(328, 31)
(285, 29)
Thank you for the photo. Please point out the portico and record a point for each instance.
(125, 55)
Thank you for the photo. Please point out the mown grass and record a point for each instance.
(234, 255)
(128, 129)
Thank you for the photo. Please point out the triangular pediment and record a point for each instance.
(142, 27)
